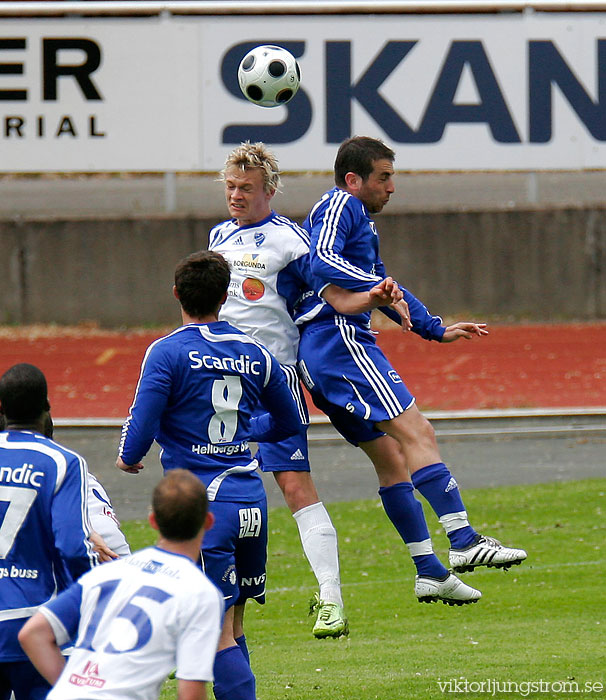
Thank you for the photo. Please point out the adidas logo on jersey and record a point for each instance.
(239, 241)
(297, 455)
(451, 486)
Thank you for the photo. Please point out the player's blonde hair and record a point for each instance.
(249, 156)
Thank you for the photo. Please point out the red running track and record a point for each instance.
(93, 373)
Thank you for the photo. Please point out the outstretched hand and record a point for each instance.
(465, 330)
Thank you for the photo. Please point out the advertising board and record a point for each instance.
(447, 92)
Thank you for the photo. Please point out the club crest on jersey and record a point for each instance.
(259, 238)
(373, 227)
(253, 289)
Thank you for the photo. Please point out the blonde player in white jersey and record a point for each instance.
(268, 255)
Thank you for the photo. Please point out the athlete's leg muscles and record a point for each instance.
(430, 476)
(401, 507)
(433, 581)
(298, 488)
(415, 436)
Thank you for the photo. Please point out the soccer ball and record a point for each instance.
(269, 76)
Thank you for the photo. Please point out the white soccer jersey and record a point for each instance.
(269, 273)
(136, 619)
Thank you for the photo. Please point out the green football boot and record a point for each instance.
(331, 620)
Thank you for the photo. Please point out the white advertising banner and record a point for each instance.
(485, 92)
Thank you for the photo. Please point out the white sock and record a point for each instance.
(319, 540)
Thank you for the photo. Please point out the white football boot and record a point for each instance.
(450, 590)
(485, 551)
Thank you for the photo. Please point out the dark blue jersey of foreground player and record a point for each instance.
(198, 390)
(344, 251)
(44, 528)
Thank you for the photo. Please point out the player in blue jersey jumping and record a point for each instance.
(137, 618)
(197, 393)
(269, 258)
(44, 528)
(352, 381)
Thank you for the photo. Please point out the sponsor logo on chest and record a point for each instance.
(249, 262)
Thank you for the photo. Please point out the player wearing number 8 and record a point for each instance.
(137, 618)
(44, 524)
(197, 393)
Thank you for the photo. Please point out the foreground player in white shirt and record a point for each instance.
(137, 618)
(270, 272)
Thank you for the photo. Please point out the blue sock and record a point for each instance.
(439, 487)
(241, 642)
(234, 679)
(406, 514)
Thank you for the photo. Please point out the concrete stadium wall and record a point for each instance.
(538, 265)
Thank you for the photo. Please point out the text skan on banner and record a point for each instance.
(484, 92)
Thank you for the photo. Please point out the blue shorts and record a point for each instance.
(22, 678)
(290, 455)
(350, 379)
(234, 550)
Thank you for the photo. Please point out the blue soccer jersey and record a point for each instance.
(198, 391)
(134, 620)
(345, 252)
(44, 528)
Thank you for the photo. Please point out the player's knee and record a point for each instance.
(426, 430)
(298, 489)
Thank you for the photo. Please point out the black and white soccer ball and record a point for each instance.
(269, 76)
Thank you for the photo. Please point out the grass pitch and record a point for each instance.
(538, 631)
